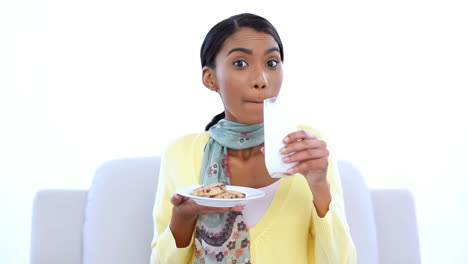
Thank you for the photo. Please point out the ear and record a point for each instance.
(209, 78)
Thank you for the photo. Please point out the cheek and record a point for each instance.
(276, 80)
(230, 80)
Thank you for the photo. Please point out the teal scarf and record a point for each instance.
(224, 238)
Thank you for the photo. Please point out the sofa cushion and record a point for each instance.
(57, 217)
(359, 213)
(123, 235)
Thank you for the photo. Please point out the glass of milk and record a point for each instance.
(278, 123)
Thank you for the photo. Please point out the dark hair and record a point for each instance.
(215, 120)
(215, 38)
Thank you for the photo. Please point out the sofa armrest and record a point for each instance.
(397, 230)
(57, 224)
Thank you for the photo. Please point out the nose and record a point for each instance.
(260, 79)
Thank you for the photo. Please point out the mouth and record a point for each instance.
(255, 101)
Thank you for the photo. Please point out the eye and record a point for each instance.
(240, 64)
(272, 63)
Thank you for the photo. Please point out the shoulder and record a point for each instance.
(187, 143)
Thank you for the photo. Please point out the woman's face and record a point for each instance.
(248, 70)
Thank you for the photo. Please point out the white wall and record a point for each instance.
(86, 81)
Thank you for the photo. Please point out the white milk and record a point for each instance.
(277, 125)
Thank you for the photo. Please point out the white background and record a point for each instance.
(82, 82)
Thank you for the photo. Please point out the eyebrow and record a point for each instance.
(249, 51)
(270, 50)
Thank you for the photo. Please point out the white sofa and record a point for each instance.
(112, 221)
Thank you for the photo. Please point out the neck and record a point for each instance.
(246, 121)
(245, 154)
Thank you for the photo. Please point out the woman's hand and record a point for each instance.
(188, 209)
(312, 155)
(310, 152)
(184, 215)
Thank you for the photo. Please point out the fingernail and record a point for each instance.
(283, 150)
(291, 171)
(286, 159)
(263, 149)
(240, 207)
(286, 140)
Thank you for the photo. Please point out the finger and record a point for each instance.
(307, 154)
(238, 208)
(303, 145)
(306, 165)
(217, 210)
(297, 136)
(210, 209)
(177, 199)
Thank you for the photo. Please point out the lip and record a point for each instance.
(254, 101)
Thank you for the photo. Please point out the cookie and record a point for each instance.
(209, 190)
(230, 195)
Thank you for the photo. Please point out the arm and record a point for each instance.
(311, 152)
(164, 246)
(184, 217)
(328, 228)
(174, 215)
(330, 233)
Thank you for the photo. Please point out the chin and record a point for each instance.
(246, 117)
(252, 120)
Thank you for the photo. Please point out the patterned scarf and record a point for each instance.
(224, 238)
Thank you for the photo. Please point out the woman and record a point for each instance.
(300, 220)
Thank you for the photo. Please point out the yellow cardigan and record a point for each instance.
(290, 231)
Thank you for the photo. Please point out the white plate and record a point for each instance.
(250, 194)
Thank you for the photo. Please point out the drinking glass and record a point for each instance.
(278, 123)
